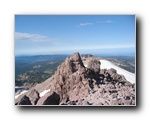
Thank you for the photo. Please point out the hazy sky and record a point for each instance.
(60, 34)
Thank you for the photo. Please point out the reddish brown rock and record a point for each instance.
(73, 84)
(94, 65)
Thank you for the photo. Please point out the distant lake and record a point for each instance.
(19, 88)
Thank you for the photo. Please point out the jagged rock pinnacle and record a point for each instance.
(71, 65)
(76, 57)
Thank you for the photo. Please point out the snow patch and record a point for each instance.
(41, 94)
(128, 75)
(107, 65)
(24, 91)
(44, 92)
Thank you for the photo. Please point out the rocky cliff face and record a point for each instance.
(75, 84)
(86, 55)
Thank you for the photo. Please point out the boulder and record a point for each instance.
(112, 71)
(94, 65)
(49, 99)
(23, 101)
(33, 96)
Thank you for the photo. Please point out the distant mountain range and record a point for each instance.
(29, 69)
(37, 58)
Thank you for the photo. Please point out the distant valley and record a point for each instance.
(127, 64)
(36, 69)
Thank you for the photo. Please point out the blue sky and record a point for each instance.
(65, 34)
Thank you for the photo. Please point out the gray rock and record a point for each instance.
(49, 99)
(33, 96)
(24, 101)
(94, 65)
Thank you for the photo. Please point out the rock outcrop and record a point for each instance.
(75, 84)
(49, 99)
(94, 65)
(33, 96)
(24, 101)
(86, 56)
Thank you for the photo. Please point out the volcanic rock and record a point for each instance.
(24, 101)
(75, 84)
(49, 99)
(86, 56)
(94, 65)
(33, 96)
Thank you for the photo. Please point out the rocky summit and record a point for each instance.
(75, 84)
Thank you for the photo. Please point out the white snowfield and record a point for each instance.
(24, 91)
(41, 94)
(44, 92)
(128, 75)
